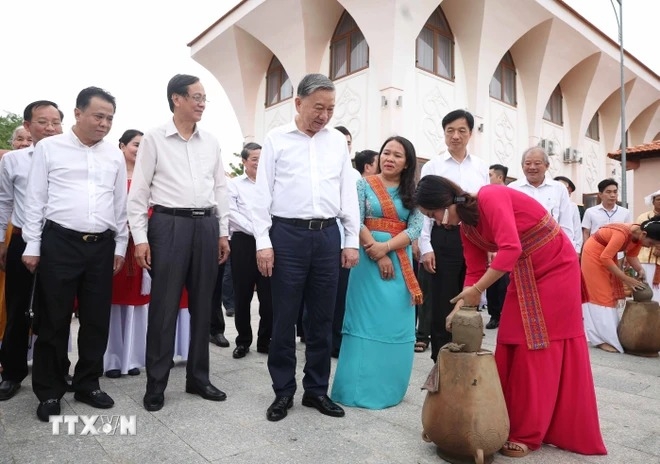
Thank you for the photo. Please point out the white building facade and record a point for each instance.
(533, 72)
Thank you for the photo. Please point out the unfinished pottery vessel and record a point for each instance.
(639, 328)
(467, 328)
(644, 294)
(466, 417)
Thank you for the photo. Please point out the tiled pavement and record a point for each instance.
(191, 430)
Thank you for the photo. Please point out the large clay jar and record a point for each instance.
(467, 328)
(467, 417)
(639, 328)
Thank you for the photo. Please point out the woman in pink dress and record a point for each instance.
(542, 356)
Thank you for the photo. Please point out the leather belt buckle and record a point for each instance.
(315, 224)
(90, 238)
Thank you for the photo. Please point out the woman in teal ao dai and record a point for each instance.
(377, 349)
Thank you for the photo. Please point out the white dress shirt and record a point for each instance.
(471, 174)
(597, 216)
(577, 238)
(242, 193)
(305, 177)
(554, 198)
(79, 187)
(14, 171)
(174, 172)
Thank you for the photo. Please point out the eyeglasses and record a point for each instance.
(44, 123)
(197, 98)
(445, 218)
(462, 131)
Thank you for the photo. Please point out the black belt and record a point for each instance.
(89, 237)
(310, 224)
(185, 212)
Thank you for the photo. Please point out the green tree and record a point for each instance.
(236, 170)
(7, 125)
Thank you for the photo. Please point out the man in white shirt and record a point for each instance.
(304, 183)
(41, 119)
(550, 193)
(76, 233)
(179, 172)
(245, 274)
(441, 247)
(607, 211)
(577, 228)
(366, 162)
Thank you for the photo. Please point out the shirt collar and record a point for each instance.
(170, 129)
(600, 206)
(293, 127)
(545, 182)
(446, 156)
(76, 141)
(245, 177)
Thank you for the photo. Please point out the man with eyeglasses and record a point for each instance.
(179, 172)
(440, 245)
(41, 119)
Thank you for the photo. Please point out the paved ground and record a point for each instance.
(191, 430)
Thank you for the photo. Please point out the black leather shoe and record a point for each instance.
(8, 389)
(279, 409)
(48, 408)
(208, 392)
(230, 312)
(324, 405)
(134, 371)
(240, 351)
(335, 353)
(220, 340)
(263, 349)
(493, 323)
(113, 374)
(69, 382)
(97, 398)
(153, 401)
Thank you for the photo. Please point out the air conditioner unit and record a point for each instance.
(543, 143)
(571, 155)
(567, 155)
(550, 148)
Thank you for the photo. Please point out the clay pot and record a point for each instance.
(467, 328)
(645, 294)
(467, 417)
(639, 328)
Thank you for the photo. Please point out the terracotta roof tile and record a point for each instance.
(643, 151)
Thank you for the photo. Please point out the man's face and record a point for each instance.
(495, 177)
(568, 187)
(45, 122)
(457, 136)
(252, 163)
(656, 202)
(609, 196)
(349, 142)
(534, 168)
(22, 139)
(315, 111)
(94, 122)
(191, 107)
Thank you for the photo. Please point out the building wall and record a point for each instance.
(549, 43)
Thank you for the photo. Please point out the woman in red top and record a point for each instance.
(542, 356)
(125, 353)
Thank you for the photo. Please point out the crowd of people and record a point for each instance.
(136, 240)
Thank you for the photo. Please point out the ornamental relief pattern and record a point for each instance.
(278, 119)
(434, 107)
(347, 111)
(504, 135)
(557, 158)
(590, 160)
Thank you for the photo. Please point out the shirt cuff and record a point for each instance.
(120, 249)
(352, 242)
(425, 247)
(263, 243)
(33, 249)
(139, 237)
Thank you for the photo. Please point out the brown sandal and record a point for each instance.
(514, 450)
(421, 346)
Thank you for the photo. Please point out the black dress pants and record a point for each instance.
(246, 276)
(495, 295)
(217, 321)
(448, 282)
(71, 268)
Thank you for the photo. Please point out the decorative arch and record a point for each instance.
(349, 51)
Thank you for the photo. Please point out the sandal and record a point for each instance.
(514, 450)
(421, 346)
(608, 348)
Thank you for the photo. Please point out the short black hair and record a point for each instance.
(364, 157)
(344, 131)
(29, 110)
(458, 114)
(571, 185)
(179, 85)
(503, 170)
(603, 184)
(247, 148)
(86, 95)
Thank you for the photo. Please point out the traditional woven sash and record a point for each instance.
(536, 333)
(390, 223)
(616, 284)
